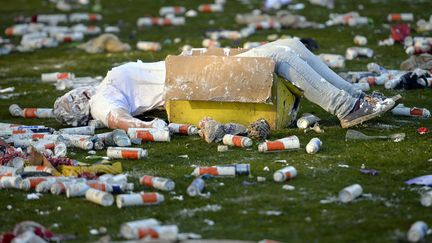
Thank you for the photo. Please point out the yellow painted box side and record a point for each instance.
(278, 113)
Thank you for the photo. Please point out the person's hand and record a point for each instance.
(158, 123)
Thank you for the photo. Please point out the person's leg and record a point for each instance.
(320, 67)
(316, 89)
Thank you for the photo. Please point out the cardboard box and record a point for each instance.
(217, 84)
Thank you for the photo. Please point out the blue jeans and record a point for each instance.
(322, 86)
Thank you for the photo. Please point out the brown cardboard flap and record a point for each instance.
(219, 78)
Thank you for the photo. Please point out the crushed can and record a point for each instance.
(401, 110)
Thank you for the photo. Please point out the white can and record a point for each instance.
(77, 190)
(99, 197)
(60, 187)
(148, 46)
(400, 17)
(313, 146)
(237, 141)
(15, 110)
(360, 40)
(139, 199)
(284, 174)
(210, 8)
(60, 150)
(97, 124)
(283, 144)
(44, 186)
(150, 134)
(126, 153)
(350, 193)
(222, 148)
(401, 110)
(228, 170)
(171, 10)
(54, 77)
(184, 129)
(160, 183)
(307, 120)
(86, 130)
(8, 170)
(10, 182)
(209, 43)
(79, 17)
(417, 231)
(333, 60)
(82, 143)
(130, 230)
(69, 37)
(32, 182)
(162, 232)
(39, 168)
(426, 199)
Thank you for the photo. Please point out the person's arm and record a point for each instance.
(120, 118)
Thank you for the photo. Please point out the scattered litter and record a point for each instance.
(33, 196)
(422, 180)
(9, 207)
(184, 156)
(369, 172)
(105, 43)
(356, 135)
(222, 148)
(422, 130)
(266, 168)
(261, 179)
(248, 183)
(307, 120)
(282, 161)
(343, 166)
(209, 222)
(208, 208)
(288, 187)
(401, 110)
(350, 193)
(179, 198)
(270, 212)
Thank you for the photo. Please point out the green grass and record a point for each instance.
(382, 218)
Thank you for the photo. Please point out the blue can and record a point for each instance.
(242, 169)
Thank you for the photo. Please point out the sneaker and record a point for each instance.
(366, 109)
(381, 97)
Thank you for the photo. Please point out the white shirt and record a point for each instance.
(135, 86)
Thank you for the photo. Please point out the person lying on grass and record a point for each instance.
(136, 87)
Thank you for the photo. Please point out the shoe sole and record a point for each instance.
(370, 116)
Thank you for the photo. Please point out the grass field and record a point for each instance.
(383, 215)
